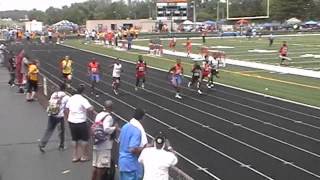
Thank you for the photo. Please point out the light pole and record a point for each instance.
(194, 14)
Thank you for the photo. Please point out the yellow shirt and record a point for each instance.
(67, 66)
(33, 72)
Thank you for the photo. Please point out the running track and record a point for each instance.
(224, 134)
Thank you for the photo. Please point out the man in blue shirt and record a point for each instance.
(132, 141)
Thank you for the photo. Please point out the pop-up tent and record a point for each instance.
(292, 21)
(187, 22)
(311, 23)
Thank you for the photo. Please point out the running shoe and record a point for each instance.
(199, 91)
(136, 88)
(142, 85)
(212, 85)
(178, 96)
(189, 84)
(115, 92)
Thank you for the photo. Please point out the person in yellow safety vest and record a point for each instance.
(32, 79)
(66, 68)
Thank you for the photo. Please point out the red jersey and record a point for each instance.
(283, 51)
(141, 68)
(94, 67)
(206, 69)
(188, 44)
(178, 69)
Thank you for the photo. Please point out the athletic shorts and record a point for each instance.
(65, 75)
(140, 75)
(101, 158)
(133, 175)
(95, 77)
(116, 79)
(176, 80)
(32, 86)
(79, 131)
(195, 78)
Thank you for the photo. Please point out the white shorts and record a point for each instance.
(101, 158)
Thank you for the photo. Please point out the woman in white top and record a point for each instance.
(76, 111)
(116, 72)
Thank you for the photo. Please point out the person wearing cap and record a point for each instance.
(77, 109)
(101, 153)
(61, 98)
(132, 140)
(156, 160)
(94, 73)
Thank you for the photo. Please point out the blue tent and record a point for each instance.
(209, 22)
(311, 23)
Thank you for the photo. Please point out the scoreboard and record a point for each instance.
(175, 9)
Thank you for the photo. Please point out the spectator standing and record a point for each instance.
(130, 39)
(57, 104)
(132, 140)
(101, 154)
(76, 112)
(156, 160)
(11, 68)
(32, 79)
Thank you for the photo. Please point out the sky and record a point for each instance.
(38, 4)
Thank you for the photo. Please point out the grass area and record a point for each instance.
(296, 88)
(239, 47)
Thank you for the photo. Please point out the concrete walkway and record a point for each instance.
(22, 124)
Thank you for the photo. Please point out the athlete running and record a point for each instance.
(189, 47)
(284, 54)
(176, 73)
(196, 77)
(214, 70)
(206, 70)
(117, 69)
(94, 73)
(66, 68)
(141, 68)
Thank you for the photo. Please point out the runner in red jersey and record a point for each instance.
(141, 68)
(93, 72)
(189, 46)
(206, 71)
(176, 73)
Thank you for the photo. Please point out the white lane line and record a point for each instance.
(221, 84)
(174, 129)
(257, 149)
(117, 115)
(244, 115)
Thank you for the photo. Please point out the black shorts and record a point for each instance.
(115, 79)
(214, 72)
(79, 131)
(32, 86)
(65, 75)
(195, 78)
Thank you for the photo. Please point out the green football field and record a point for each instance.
(303, 50)
(296, 88)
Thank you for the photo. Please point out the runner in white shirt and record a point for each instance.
(157, 160)
(116, 72)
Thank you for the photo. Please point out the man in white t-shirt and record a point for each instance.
(61, 99)
(76, 114)
(157, 160)
(101, 153)
(116, 72)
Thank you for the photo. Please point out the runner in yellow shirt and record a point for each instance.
(66, 68)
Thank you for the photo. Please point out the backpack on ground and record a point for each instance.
(54, 105)
(98, 133)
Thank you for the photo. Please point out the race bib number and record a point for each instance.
(141, 69)
(94, 70)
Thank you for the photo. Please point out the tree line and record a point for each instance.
(280, 10)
